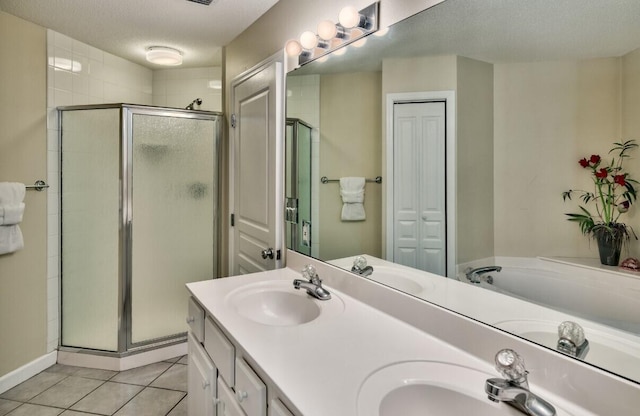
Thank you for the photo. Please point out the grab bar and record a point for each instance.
(38, 185)
(377, 179)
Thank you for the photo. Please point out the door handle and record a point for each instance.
(267, 253)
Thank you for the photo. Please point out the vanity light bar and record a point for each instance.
(353, 25)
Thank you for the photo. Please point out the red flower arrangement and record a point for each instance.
(613, 194)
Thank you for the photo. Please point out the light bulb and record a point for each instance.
(293, 48)
(308, 40)
(349, 17)
(327, 30)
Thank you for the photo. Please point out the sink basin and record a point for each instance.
(421, 388)
(406, 281)
(277, 303)
(613, 351)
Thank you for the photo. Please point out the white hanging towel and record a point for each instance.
(352, 193)
(11, 211)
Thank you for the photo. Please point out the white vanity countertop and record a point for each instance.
(321, 365)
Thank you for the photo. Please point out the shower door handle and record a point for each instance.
(267, 253)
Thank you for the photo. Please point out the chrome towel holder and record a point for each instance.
(38, 185)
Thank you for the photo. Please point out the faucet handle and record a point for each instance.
(571, 331)
(511, 366)
(309, 272)
(359, 262)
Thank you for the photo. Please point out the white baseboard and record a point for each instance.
(84, 359)
(27, 371)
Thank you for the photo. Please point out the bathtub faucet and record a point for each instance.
(571, 340)
(474, 274)
(514, 388)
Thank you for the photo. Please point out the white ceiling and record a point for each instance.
(127, 27)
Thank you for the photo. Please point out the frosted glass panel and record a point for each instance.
(90, 228)
(172, 228)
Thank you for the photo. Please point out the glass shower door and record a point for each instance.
(173, 191)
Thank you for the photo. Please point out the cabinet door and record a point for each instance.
(201, 381)
(250, 390)
(220, 349)
(227, 405)
(276, 408)
(195, 319)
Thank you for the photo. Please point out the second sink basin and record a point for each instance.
(421, 388)
(277, 303)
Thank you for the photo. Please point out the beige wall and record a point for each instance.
(474, 160)
(23, 275)
(350, 145)
(548, 115)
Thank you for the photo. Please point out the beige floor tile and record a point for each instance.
(62, 369)
(183, 360)
(180, 409)
(151, 402)
(108, 398)
(35, 410)
(7, 405)
(175, 378)
(74, 413)
(67, 392)
(142, 376)
(95, 373)
(31, 388)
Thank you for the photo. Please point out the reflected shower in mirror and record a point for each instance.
(475, 114)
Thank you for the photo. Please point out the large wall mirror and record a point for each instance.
(475, 114)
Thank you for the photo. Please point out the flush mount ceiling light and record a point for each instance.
(162, 55)
(353, 25)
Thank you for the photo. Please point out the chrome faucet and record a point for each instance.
(474, 274)
(571, 340)
(312, 284)
(360, 266)
(514, 388)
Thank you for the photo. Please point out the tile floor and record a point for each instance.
(158, 389)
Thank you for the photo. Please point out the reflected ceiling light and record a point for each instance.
(162, 55)
(359, 43)
(382, 32)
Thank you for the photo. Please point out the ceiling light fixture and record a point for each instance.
(162, 55)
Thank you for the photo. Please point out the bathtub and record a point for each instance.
(581, 288)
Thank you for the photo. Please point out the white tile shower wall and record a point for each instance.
(303, 102)
(179, 87)
(79, 74)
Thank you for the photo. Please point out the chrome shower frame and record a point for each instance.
(125, 344)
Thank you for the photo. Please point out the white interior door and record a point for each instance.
(256, 170)
(419, 184)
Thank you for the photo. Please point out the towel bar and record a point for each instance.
(377, 179)
(38, 185)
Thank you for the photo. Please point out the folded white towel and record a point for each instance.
(352, 193)
(11, 214)
(12, 207)
(11, 193)
(10, 239)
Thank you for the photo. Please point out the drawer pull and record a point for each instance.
(205, 384)
(241, 395)
(191, 319)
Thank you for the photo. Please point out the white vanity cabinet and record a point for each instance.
(220, 381)
(201, 380)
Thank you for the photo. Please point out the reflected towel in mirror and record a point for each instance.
(352, 193)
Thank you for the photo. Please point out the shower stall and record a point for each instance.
(139, 219)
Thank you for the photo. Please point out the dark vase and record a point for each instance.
(610, 243)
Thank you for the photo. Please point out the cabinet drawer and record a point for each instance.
(220, 350)
(276, 408)
(195, 319)
(201, 381)
(227, 405)
(251, 392)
